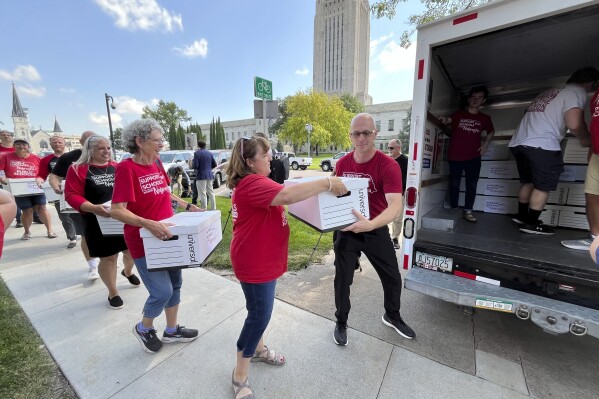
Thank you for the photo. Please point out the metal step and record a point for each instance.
(442, 219)
(553, 316)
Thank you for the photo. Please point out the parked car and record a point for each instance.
(328, 164)
(220, 173)
(298, 162)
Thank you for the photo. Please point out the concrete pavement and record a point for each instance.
(100, 357)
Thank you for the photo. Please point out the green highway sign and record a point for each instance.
(262, 88)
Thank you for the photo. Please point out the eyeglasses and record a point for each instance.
(161, 140)
(365, 133)
(390, 148)
(244, 138)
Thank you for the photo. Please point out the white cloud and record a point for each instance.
(199, 48)
(302, 71)
(374, 43)
(22, 72)
(394, 58)
(154, 102)
(30, 91)
(102, 119)
(67, 90)
(141, 15)
(128, 105)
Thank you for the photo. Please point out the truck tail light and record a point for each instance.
(411, 195)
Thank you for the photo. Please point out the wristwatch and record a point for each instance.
(188, 207)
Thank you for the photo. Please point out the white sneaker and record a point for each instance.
(582, 245)
(93, 273)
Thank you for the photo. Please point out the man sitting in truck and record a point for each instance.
(372, 237)
(591, 182)
(536, 145)
(465, 148)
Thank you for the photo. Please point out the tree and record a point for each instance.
(167, 114)
(435, 9)
(117, 136)
(279, 147)
(274, 128)
(404, 133)
(327, 115)
(172, 137)
(352, 104)
(213, 142)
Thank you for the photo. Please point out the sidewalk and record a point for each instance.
(101, 358)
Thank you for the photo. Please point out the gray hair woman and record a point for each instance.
(88, 186)
(142, 198)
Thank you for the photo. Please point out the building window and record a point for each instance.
(391, 124)
(381, 146)
(377, 125)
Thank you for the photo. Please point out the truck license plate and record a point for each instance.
(433, 262)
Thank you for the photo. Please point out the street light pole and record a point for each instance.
(110, 122)
(309, 130)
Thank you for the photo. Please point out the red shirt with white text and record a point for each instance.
(466, 129)
(16, 167)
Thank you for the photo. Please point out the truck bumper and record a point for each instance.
(552, 316)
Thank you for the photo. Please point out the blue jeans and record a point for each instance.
(164, 288)
(472, 170)
(259, 300)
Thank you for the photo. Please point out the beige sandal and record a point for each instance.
(268, 356)
(238, 386)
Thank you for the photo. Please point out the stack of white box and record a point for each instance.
(23, 187)
(64, 205)
(326, 212)
(51, 195)
(195, 236)
(110, 226)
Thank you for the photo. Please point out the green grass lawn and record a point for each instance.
(316, 160)
(26, 368)
(301, 242)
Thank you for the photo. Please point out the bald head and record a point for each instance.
(86, 135)
(362, 119)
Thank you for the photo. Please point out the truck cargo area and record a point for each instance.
(516, 60)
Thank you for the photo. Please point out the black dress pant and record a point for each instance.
(378, 248)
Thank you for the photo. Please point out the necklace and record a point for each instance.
(104, 169)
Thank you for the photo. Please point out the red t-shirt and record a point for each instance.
(594, 127)
(260, 241)
(383, 173)
(19, 168)
(145, 189)
(5, 149)
(89, 183)
(466, 129)
(46, 165)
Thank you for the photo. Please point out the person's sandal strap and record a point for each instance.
(269, 356)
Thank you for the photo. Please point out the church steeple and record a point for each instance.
(19, 117)
(57, 128)
(17, 109)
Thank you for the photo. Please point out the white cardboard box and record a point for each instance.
(23, 187)
(495, 187)
(110, 226)
(576, 195)
(492, 204)
(573, 217)
(64, 205)
(550, 217)
(574, 152)
(560, 195)
(326, 212)
(499, 170)
(195, 236)
(497, 152)
(574, 173)
(51, 196)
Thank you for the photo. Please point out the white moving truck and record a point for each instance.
(518, 49)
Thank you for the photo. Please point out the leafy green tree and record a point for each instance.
(172, 137)
(117, 136)
(195, 128)
(279, 146)
(327, 115)
(167, 114)
(274, 128)
(213, 142)
(180, 138)
(352, 104)
(435, 9)
(404, 133)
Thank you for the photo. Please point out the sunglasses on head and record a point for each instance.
(244, 138)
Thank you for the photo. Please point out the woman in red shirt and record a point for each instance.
(260, 244)
(88, 186)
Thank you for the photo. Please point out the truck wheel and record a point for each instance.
(325, 167)
(303, 167)
(295, 166)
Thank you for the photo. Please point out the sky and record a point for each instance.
(63, 55)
